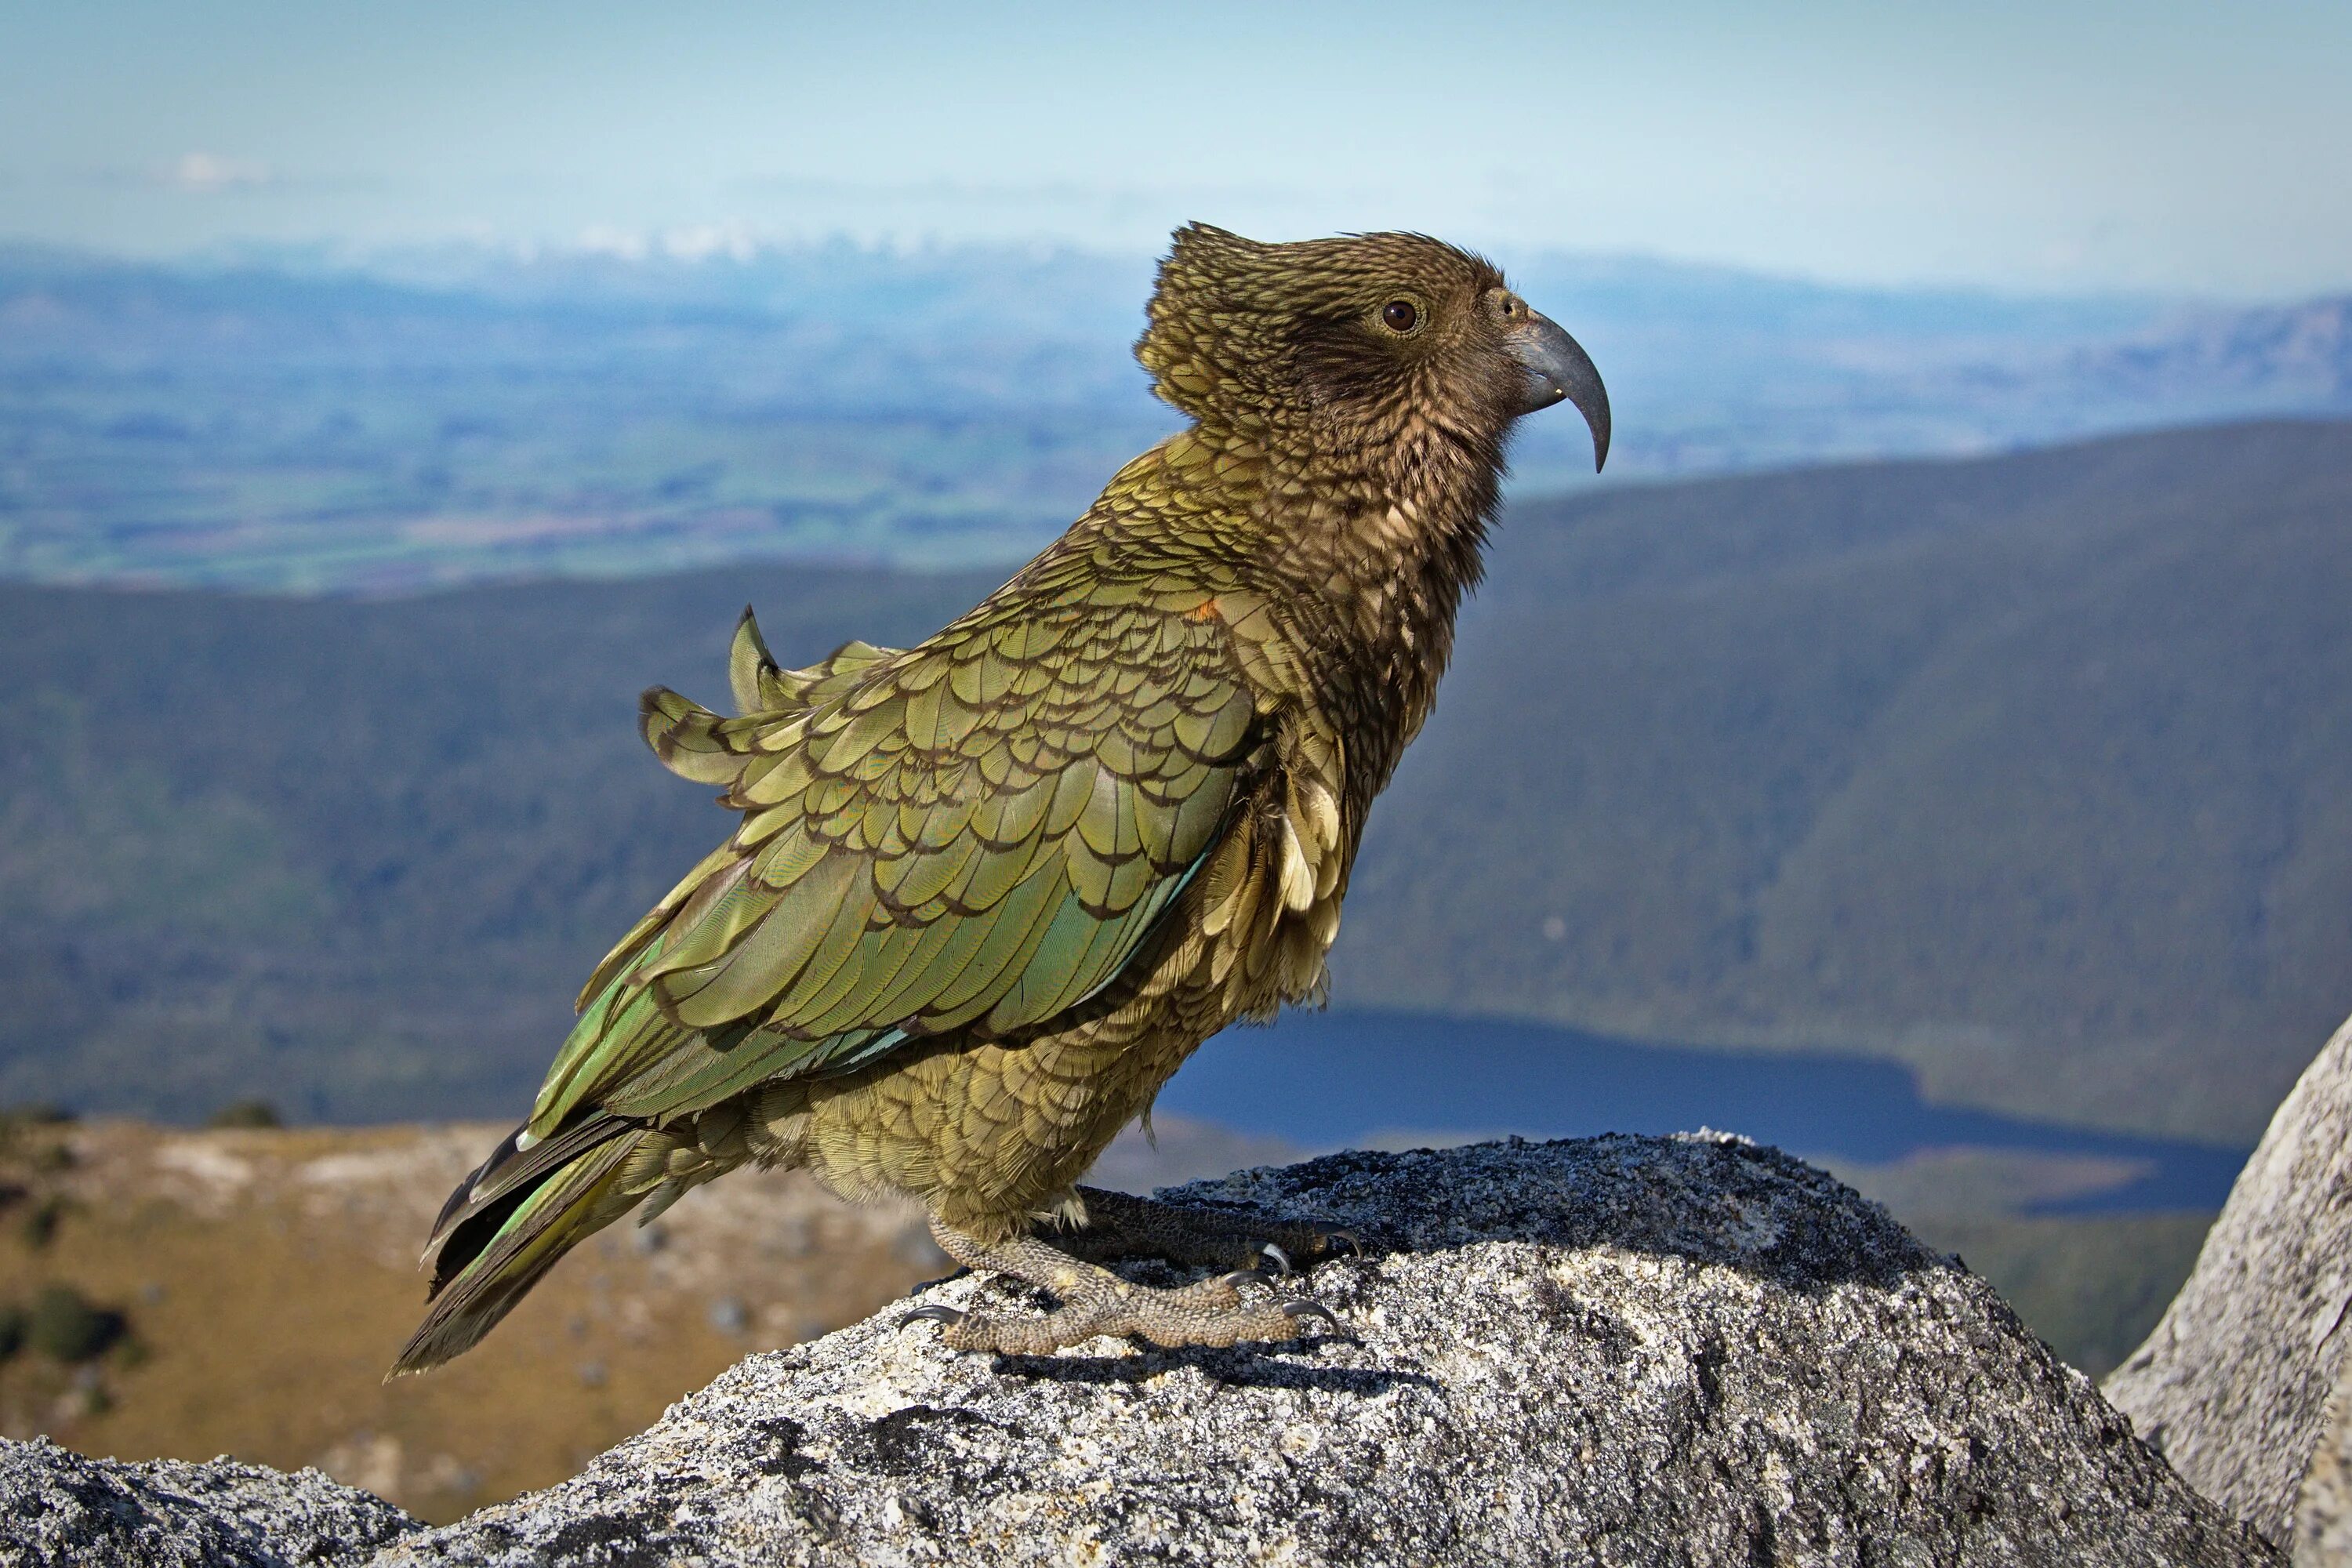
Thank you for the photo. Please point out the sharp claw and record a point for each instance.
(1281, 1259)
(1355, 1243)
(1303, 1307)
(1241, 1277)
(950, 1316)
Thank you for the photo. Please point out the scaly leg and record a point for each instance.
(1097, 1301)
(1120, 1225)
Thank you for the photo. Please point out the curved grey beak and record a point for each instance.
(1560, 370)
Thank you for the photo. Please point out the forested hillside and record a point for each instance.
(2034, 771)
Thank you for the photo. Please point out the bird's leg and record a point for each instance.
(1120, 1225)
(1097, 1301)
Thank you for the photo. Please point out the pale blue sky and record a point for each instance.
(2163, 145)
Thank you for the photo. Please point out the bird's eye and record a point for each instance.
(1400, 315)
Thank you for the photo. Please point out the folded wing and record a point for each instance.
(977, 833)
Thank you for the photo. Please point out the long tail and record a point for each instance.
(508, 1223)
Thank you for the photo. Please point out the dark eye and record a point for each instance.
(1400, 315)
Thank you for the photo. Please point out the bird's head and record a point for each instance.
(1356, 338)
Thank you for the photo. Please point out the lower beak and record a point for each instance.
(1558, 370)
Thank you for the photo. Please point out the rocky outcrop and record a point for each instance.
(56, 1507)
(1622, 1349)
(2239, 1383)
(2323, 1505)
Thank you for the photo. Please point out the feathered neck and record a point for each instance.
(1370, 514)
(1376, 551)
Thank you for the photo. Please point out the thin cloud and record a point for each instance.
(209, 174)
(975, 192)
(203, 174)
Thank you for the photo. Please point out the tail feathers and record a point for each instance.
(503, 1229)
(514, 1165)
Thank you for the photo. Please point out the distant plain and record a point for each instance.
(267, 420)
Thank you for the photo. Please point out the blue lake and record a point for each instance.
(1331, 1080)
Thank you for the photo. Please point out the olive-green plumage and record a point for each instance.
(987, 893)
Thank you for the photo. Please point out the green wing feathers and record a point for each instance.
(759, 687)
(976, 833)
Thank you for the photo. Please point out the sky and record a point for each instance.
(2168, 146)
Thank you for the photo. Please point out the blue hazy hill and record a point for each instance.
(298, 422)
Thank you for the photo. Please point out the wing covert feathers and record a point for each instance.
(976, 833)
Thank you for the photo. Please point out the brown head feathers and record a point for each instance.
(1350, 334)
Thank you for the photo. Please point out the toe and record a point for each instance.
(950, 1316)
(1300, 1307)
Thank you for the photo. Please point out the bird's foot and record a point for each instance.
(1095, 1301)
(1119, 1225)
(1170, 1319)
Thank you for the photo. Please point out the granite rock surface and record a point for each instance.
(58, 1507)
(1623, 1349)
(2243, 1382)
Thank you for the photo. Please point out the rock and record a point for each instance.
(2323, 1506)
(2234, 1385)
(59, 1509)
(1622, 1349)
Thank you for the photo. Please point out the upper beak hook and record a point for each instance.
(1560, 370)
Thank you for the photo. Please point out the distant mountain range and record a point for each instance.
(2300, 353)
(280, 421)
(2033, 772)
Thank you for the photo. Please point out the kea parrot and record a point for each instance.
(987, 893)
